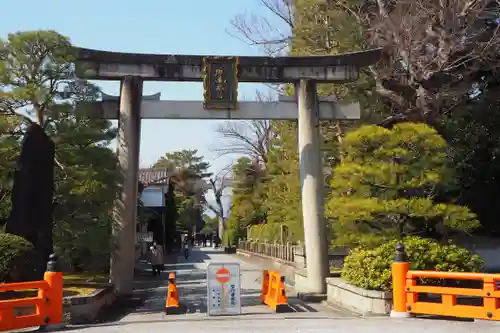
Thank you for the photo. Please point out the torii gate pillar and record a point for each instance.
(312, 187)
(125, 209)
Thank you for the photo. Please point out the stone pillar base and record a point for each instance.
(395, 314)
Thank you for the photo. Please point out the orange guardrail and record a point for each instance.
(407, 293)
(273, 291)
(48, 303)
(172, 305)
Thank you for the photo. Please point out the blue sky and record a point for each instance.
(153, 26)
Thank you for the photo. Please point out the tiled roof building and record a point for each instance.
(152, 176)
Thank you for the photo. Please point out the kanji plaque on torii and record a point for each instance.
(220, 83)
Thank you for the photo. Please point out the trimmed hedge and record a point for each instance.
(271, 232)
(371, 269)
(265, 232)
(231, 236)
(17, 259)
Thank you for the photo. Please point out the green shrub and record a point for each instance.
(371, 269)
(17, 259)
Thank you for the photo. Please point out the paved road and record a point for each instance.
(149, 317)
(303, 324)
(191, 282)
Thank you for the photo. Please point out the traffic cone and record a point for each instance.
(172, 305)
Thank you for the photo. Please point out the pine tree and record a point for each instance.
(387, 184)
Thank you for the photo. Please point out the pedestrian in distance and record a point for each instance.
(157, 260)
(185, 247)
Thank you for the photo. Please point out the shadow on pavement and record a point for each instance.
(143, 290)
(445, 318)
(146, 287)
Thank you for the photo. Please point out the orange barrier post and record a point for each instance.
(276, 297)
(172, 305)
(48, 302)
(400, 268)
(54, 295)
(265, 286)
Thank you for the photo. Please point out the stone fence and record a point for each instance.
(283, 252)
(294, 254)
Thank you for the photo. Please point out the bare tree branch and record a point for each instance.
(432, 52)
(255, 30)
(248, 137)
(219, 183)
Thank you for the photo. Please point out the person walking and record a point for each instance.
(157, 260)
(185, 247)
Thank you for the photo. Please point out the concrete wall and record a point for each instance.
(84, 309)
(491, 259)
(362, 301)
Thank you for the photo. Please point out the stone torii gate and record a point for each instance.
(220, 76)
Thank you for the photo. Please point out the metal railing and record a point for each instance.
(283, 252)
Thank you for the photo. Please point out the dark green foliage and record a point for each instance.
(85, 187)
(186, 172)
(17, 259)
(9, 152)
(247, 196)
(473, 134)
(371, 268)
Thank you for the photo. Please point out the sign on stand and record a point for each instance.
(223, 284)
(144, 237)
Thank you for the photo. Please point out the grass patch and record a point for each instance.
(87, 279)
(335, 270)
(67, 291)
(74, 285)
(78, 291)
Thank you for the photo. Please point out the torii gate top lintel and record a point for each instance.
(105, 65)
